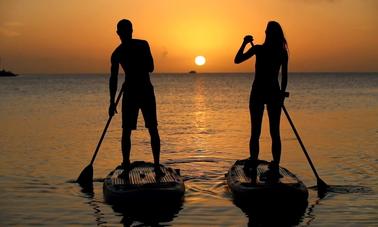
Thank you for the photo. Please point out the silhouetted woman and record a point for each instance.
(271, 56)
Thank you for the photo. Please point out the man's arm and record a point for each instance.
(149, 59)
(113, 81)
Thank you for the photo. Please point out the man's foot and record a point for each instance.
(158, 172)
(124, 175)
(126, 171)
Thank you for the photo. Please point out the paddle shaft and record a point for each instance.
(106, 128)
(301, 143)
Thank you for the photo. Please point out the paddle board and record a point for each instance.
(142, 184)
(288, 188)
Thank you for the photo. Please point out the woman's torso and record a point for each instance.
(268, 62)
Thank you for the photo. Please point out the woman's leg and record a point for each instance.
(274, 113)
(256, 110)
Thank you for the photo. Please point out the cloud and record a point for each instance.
(9, 29)
(8, 33)
(164, 53)
(13, 24)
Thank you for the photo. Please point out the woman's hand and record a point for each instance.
(240, 55)
(283, 95)
(248, 39)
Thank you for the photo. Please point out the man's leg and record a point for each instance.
(148, 109)
(126, 146)
(155, 144)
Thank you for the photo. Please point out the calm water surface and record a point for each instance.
(50, 125)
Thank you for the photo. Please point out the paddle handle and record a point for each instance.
(106, 127)
(300, 141)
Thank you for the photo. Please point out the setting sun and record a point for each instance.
(200, 60)
(213, 29)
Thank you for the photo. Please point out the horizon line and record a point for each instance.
(246, 72)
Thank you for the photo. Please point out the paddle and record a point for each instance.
(321, 185)
(85, 178)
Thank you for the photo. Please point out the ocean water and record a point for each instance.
(50, 126)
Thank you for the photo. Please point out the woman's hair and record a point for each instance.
(275, 37)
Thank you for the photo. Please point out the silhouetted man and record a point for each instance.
(135, 57)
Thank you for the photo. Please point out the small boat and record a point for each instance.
(4, 73)
(143, 185)
(288, 189)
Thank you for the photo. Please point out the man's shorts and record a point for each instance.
(132, 101)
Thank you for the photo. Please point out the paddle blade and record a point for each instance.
(86, 177)
(322, 188)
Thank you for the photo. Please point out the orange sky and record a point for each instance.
(70, 36)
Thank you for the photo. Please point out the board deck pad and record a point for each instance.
(288, 178)
(143, 185)
(142, 175)
(288, 189)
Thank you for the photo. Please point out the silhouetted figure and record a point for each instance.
(135, 57)
(270, 57)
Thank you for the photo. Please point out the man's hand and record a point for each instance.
(112, 109)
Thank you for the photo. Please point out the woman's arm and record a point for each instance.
(240, 55)
(284, 73)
